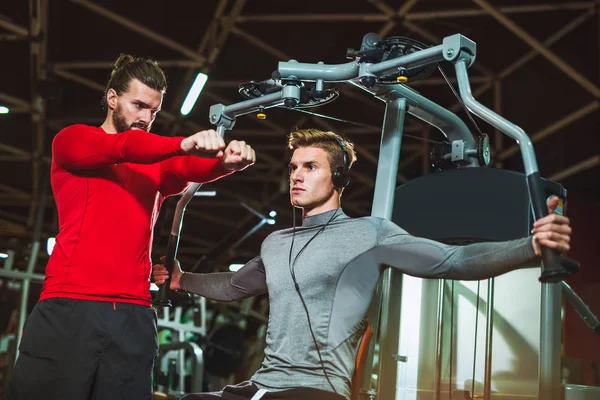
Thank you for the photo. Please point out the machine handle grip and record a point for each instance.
(555, 267)
(162, 299)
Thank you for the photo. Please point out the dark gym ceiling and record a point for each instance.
(537, 64)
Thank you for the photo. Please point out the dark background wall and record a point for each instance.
(579, 341)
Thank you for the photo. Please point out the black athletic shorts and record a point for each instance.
(86, 350)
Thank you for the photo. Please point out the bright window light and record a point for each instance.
(205, 193)
(235, 267)
(50, 244)
(273, 214)
(4, 110)
(3, 255)
(193, 94)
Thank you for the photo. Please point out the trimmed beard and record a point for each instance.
(121, 124)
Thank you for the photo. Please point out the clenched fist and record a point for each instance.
(160, 274)
(204, 143)
(552, 231)
(238, 155)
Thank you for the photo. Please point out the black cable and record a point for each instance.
(291, 266)
(362, 125)
(460, 100)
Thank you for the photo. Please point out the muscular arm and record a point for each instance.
(430, 259)
(81, 147)
(176, 172)
(249, 281)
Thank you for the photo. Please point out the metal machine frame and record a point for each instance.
(399, 100)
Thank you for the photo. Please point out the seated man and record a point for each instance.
(321, 275)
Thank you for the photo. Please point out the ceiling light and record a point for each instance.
(194, 93)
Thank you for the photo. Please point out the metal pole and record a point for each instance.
(38, 22)
(8, 261)
(162, 298)
(489, 334)
(6, 272)
(383, 202)
(439, 341)
(550, 339)
(498, 109)
(248, 106)
(33, 255)
(582, 309)
(389, 157)
(550, 336)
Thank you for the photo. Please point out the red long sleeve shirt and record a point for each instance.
(108, 190)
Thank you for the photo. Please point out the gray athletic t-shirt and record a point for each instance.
(336, 274)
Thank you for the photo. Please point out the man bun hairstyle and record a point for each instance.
(127, 67)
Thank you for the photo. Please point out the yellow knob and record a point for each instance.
(261, 115)
(402, 79)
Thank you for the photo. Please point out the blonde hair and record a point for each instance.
(328, 141)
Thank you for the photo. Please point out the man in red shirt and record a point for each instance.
(93, 333)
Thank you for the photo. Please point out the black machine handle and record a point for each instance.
(162, 298)
(555, 267)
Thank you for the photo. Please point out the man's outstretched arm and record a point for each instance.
(81, 147)
(249, 281)
(431, 259)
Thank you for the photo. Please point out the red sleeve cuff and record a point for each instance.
(177, 145)
(220, 169)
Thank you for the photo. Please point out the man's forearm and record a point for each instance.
(214, 286)
(228, 286)
(490, 259)
(193, 169)
(430, 259)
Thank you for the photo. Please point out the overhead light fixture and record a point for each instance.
(193, 94)
(205, 193)
(235, 267)
(50, 244)
(4, 110)
(272, 214)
